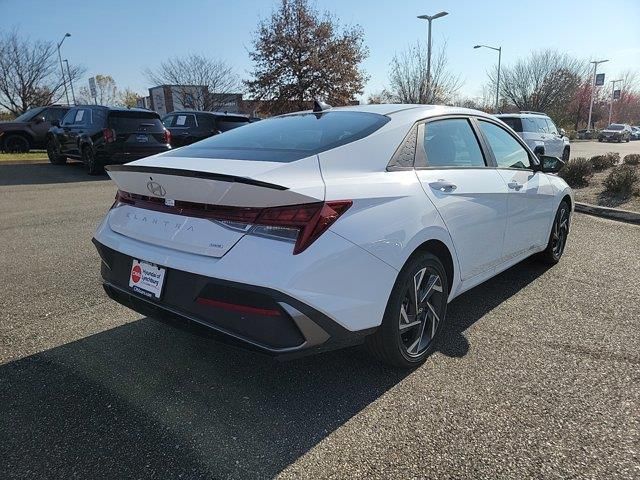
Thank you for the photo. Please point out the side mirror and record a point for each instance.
(55, 123)
(39, 120)
(563, 133)
(539, 151)
(550, 164)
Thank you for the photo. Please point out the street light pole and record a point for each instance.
(499, 50)
(64, 82)
(73, 94)
(613, 89)
(430, 18)
(593, 86)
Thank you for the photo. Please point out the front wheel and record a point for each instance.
(53, 152)
(558, 236)
(415, 313)
(94, 166)
(566, 153)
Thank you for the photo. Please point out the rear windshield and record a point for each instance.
(135, 121)
(514, 122)
(287, 138)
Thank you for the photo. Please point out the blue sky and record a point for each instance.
(121, 38)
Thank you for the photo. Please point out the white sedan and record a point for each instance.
(332, 227)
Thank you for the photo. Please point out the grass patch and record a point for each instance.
(15, 157)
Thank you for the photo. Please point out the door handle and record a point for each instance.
(514, 185)
(443, 186)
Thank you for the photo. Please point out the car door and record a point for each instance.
(467, 191)
(530, 203)
(63, 132)
(181, 129)
(81, 121)
(555, 143)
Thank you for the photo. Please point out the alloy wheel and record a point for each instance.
(560, 232)
(421, 311)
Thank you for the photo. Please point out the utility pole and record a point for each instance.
(430, 18)
(64, 82)
(73, 94)
(613, 89)
(499, 50)
(593, 87)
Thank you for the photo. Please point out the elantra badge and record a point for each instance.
(156, 189)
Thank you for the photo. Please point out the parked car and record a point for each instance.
(322, 229)
(635, 133)
(616, 132)
(100, 135)
(189, 126)
(29, 130)
(584, 134)
(539, 133)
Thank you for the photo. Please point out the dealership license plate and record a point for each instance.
(146, 279)
(143, 138)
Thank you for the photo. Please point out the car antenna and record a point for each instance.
(320, 106)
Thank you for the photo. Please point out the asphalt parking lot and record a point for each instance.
(593, 147)
(538, 375)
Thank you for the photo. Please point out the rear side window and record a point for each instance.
(287, 138)
(452, 143)
(228, 123)
(514, 122)
(135, 121)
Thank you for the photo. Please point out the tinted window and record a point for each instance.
(207, 122)
(514, 122)
(507, 150)
(228, 123)
(452, 143)
(132, 121)
(82, 116)
(184, 120)
(68, 118)
(287, 138)
(168, 120)
(29, 114)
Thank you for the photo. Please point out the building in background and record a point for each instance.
(168, 98)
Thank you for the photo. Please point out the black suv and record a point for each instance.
(102, 135)
(30, 129)
(189, 126)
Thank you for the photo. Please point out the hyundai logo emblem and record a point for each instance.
(156, 189)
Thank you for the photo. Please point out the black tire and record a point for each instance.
(558, 236)
(410, 328)
(16, 144)
(94, 166)
(566, 154)
(53, 152)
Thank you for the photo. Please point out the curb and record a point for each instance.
(23, 162)
(610, 213)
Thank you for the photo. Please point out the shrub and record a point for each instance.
(622, 180)
(632, 159)
(576, 172)
(602, 162)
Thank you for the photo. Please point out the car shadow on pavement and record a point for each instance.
(45, 173)
(145, 400)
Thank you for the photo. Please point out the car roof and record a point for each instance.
(522, 115)
(116, 109)
(203, 112)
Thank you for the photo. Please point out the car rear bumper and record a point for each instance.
(256, 317)
(118, 156)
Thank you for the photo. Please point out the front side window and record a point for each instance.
(507, 150)
(287, 138)
(530, 125)
(54, 114)
(183, 120)
(541, 123)
(452, 143)
(69, 117)
(82, 116)
(552, 127)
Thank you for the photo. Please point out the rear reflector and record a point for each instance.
(300, 223)
(166, 136)
(235, 307)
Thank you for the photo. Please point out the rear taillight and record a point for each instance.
(109, 135)
(302, 224)
(166, 136)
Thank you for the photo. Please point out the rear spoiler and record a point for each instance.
(179, 172)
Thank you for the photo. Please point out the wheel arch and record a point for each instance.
(22, 133)
(440, 250)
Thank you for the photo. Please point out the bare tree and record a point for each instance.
(202, 83)
(383, 96)
(106, 92)
(408, 76)
(29, 73)
(300, 54)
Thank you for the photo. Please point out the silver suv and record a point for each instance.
(539, 133)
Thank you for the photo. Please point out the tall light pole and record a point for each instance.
(593, 87)
(430, 18)
(64, 82)
(499, 50)
(73, 94)
(613, 89)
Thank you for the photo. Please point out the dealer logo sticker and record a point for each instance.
(136, 273)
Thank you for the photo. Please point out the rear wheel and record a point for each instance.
(94, 166)
(16, 144)
(414, 315)
(53, 152)
(566, 153)
(558, 236)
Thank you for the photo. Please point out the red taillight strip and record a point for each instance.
(234, 307)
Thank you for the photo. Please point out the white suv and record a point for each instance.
(539, 133)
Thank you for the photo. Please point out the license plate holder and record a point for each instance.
(147, 279)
